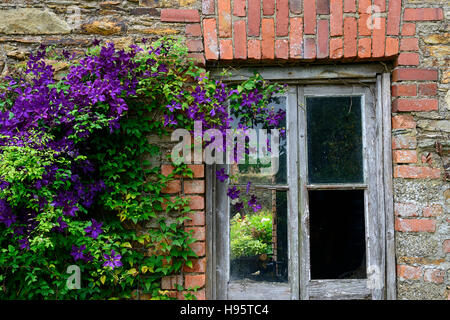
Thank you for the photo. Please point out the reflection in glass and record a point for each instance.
(265, 173)
(258, 241)
(334, 139)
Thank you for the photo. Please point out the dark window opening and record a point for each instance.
(334, 139)
(337, 238)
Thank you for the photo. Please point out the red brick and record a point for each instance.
(408, 59)
(282, 49)
(197, 218)
(336, 48)
(226, 49)
(403, 122)
(194, 186)
(208, 7)
(282, 18)
(405, 156)
(423, 14)
(363, 29)
(322, 39)
(409, 272)
(239, 8)
(254, 17)
(268, 7)
(194, 45)
(415, 225)
(393, 18)
(349, 37)
(378, 40)
(198, 233)
(434, 275)
(408, 29)
(295, 6)
(197, 202)
(200, 294)
(415, 105)
(166, 169)
(198, 58)
(240, 39)
(179, 15)
(411, 74)
(309, 16)
(363, 5)
(380, 4)
(364, 47)
(323, 6)
(268, 39)
(295, 37)
(336, 17)
(391, 47)
(409, 44)
(406, 210)
(193, 30)
(210, 36)
(404, 142)
(446, 246)
(169, 282)
(197, 169)
(199, 248)
(224, 12)
(349, 5)
(254, 49)
(409, 172)
(427, 89)
(404, 90)
(309, 48)
(192, 281)
(173, 186)
(433, 211)
(198, 265)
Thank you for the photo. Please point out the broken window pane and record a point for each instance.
(337, 234)
(334, 140)
(258, 241)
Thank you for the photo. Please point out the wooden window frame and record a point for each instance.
(358, 79)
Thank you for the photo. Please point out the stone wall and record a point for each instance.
(412, 34)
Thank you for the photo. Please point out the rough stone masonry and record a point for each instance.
(413, 35)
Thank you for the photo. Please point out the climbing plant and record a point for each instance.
(78, 180)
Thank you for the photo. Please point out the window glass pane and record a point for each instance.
(264, 172)
(334, 139)
(337, 238)
(258, 241)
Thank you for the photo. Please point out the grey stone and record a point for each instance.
(416, 244)
(32, 21)
(415, 290)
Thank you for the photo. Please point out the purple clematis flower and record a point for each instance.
(239, 206)
(233, 193)
(77, 252)
(62, 225)
(252, 203)
(24, 244)
(221, 175)
(112, 260)
(94, 229)
(248, 187)
(169, 120)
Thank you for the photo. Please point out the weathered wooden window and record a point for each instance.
(329, 206)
